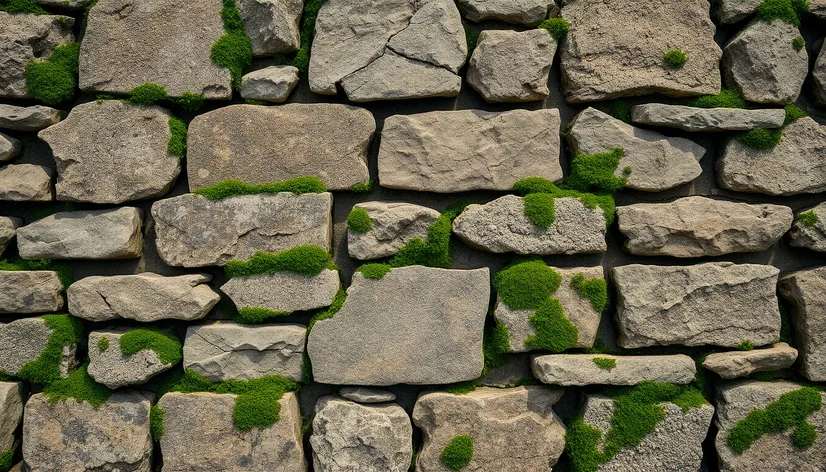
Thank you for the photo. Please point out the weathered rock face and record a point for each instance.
(761, 63)
(9, 147)
(602, 58)
(733, 364)
(33, 118)
(796, 165)
(379, 50)
(706, 119)
(8, 229)
(66, 4)
(114, 369)
(657, 162)
(24, 340)
(92, 234)
(229, 351)
(810, 236)
(456, 151)
(348, 436)
(36, 291)
(71, 435)
(522, 12)
(732, 11)
(112, 152)
(804, 290)
(423, 325)
(502, 226)
(26, 37)
(260, 144)
(511, 66)
(819, 74)
(193, 231)
(393, 225)
(528, 437)
(582, 369)
(272, 84)
(284, 291)
(11, 412)
(25, 183)
(127, 45)
(698, 226)
(773, 451)
(271, 25)
(200, 421)
(696, 305)
(366, 395)
(818, 9)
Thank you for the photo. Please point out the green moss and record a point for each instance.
(533, 185)
(79, 386)
(257, 314)
(798, 43)
(458, 452)
(496, 344)
(5, 460)
(374, 271)
(525, 285)
(539, 208)
(598, 347)
(358, 221)
(808, 218)
(790, 11)
(66, 330)
(176, 145)
(746, 346)
(793, 113)
(595, 172)
(605, 363)
(147, 94)
(329, 312)
(461, 388)
(627, 170)
(471, 37)
(54, 81)
(436, 251)
(761, 138)
(233, 50)
(64, 273)
(156, 414)
(558, 27)
(554, 331)
(308, 19)
(621, 110)
(234, 188)
(675, 59)
(22, 6)
(189, 101)
(725, 99)
(364, 187)
(595, 290)
(103, 344)
(302, 260)
(166, 346)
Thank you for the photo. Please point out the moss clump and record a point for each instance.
(461, 388)
(330, 311)
(764, 139)
(798, 43)
(166, 346)
(374, 271)
(554, 332)
(257, 314)
(64, 274)
(808, 218)
(533, 185)
(103, 344)
(176, 145)
(793, 113)
(189, 101)
(605, 363)
(5, 460)
(234, 188)
(156, 422)
(725, 99)
(746, 346)
(22, 6)
(595, 172)
(789, 411)
(80, 386)
(621, 110)
(54, 81)
(627, 170)
(558, 27)
(436, 251)
(364, 187)
(147, 94)
(66, 330)
(675, 59)
(233, 50)
(302, 260)
(308, 18)
(458, 452)
(496, 342)
(539, 208)
(595, 290)
(358, 221)
(790, 11)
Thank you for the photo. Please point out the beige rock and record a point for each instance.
(271, 25)
(810, 237)
(8, 229)
(393, 225)
(522, 12)
(733, 364)
(732, 11)
(582, 369)
(272, 84)
(25, 183)
(114, 369)
(805, 291)
(25, 339)
(9, 147)
(706, 119)
(819, 72)
(366, 394)
(25, 291)
(11, 413)
(33, 118)
(284, 291)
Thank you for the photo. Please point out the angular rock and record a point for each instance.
(379, 50)
(513, 429)
(602, 58)
(72, 435)
(582, 369)
(24, 340)
(8, 229)
(657, 162)
(733, 364)
(27, 37)
(422, 325)
(260, 144)
(521, 12)
(796, 165)
(33, 118)
(193, 231)
(501, 226)
(272, 84)
(699, 226)
(112, 152)
(200, 421)
(127, 45)
(706, 119)
(819, 73)
(11, 413)
(271, 25)
(805, 291)
(366, 395)
(30, 291)
(515, 372)
(732, 11)
(511, 66)
(9, 147)
(697, 305)
(811, 237)
(114, 369)
(284, 292)
(92, 234)
(229, 351)
(348, 436)
(393, 225)
(25, 183)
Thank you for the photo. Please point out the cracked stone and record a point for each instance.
(272, 25)
(24, 340)
(25, 183)
(804, 291)
(581, 369)
(33, 118)
(733, 364)
(392, 226)
(35, 291)
(114, 369)
(284, 291)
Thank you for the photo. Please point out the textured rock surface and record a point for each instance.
(501, 226)
(271, 25)
(810, 237)
(259, 144)
(348, 436)
(819, 74)
(284, 291)
(366, 394)
(393, 225)
(25, 183)
(11, 412)
(729, 365)
(699, 226)
(805, 291)
(24, 340)
(455, 151)
(523, 12)
(229, 351)
(193, 231)
(732, 11)
(8, 229)
(528, 437)
(581, 369)
(66, 4)
(511, 66)
(657, 162)
(423, 325)
(112, 152)
(603, 58)
(272, 84)
(114, 369)
(200, 421)
(90, 234)
(696, 305)
(706, 119)
(9, 147)
(33, 118)
(37, 291)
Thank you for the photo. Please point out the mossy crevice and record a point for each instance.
(257, 314)
(308, 19)
(22, 6)
(358, 221)
(305, 260)
(746, 345)
(54, 80)
(154, 94)
(330, 311)
(80, 386)
(790, 11)
(557, 27)
(234, 188)
(66, 331)
(176, 144)
(374, 271)
(5, 460)
(364, 187)
(64, 273)
(156, 428)
(808, 219)
(233, 50)
(168, 348)
(727, 98)
(458, 452)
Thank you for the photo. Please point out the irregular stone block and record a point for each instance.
(271, 25)
(422, 325)
(819, 73)
(272, 84)
(366, 395)
(522, 12)
(706, 119)
(733, 364)
(229, 351)
(805, 291)
(810, 236)
(193, 231)
(24, 340)
(30, 291)
(582, 369)
(732, 11)
(699, 226)
(349, 436)
(11, 413)
(114, 369)
(697, 305)
(818, 9)
(25, 183)
(260, 144)
(112, 152)
(457, 151)
(393, 225)
(92, 234)
(8, 229)
(9, 147)
(513, 429)
(33, 118)
(284, 292)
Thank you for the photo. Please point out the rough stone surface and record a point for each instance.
(115, 369)
(422, 325)
(771, 452)
(348, 436)
(11, 412)
(202, 422)
(733, 364)
(129, 44)
(8, 229)
(511, 66)
(112, 152)
(819, 73)
(699, 226)
(271, 25)
(33, 118)
(72, 435)
(260, 144)
(513, 429)
(284, 291)
(36, 291)
(805, 291)
(810, 237)
(24, 340)
(366, 394)
(456, 151)
(66, 4)
(501, 226)
(602, 58)
(393, 226)
(576, 308)
(229, 351)
(25, 183)
(696, 305)
(580, 369)
(818, 8)
(193, 231)
(522, 12)
(272, 84)
(796, 165)
(761, 64)
(90, 234)
(9, 147)
(732, 11)
(706, 119)
(657, 162)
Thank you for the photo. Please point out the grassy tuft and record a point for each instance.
(595, 172)
(64, 273)
(103, 344)
(233, 50)
(54, 81)
(532, 185)
(374, 271)
(156, 414)
(308, 18)
(364, 187)
(80, 386)
(745, 346)
(234, 188)
(761, 138)
(358, 221)
(22, 6)
(727, 98)
(798, 43)
(621, 110)
(166, 346)
(176, 145)
(66, 330)
(558, 27)
(675, 59)
(458, 452)
(330, 311)
(595, 290)
(605, 363)
(461, 388)
(303, 260)
(147, 94)
(256, 315)
(808, 218)
(790, 11)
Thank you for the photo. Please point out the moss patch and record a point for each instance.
(358, 221)
(302, 260)
(621, 110)
(746, 346)
(257, 314)
(66, 330)
(79, 386)
(533, 185)
(605, 363)
(54, 81)
(330, 311)
(22, 6)
(539, 208)
(176, 144)
(727, 98)
(154, 94)
(496, 344)
(308, 19)
(233, 50)
(798, 43)
(364, 187)
(458, 452)
(234, 188)
(461, 388)
(595, 290)
(156, 414)
(166, 346)
(790, 11)
(764, 139)
(595, 172)
(5, 460)
(675, 59)
(436, 251)
(808, 218)
(64, 273)
(374, 271)
(558, 27)
(103, 344)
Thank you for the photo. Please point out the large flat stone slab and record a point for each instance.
(804, 292)
(706, 119)
(33, 118)
(284, 291)
(30, 291)
(810, 232)
(392, 226)
(24, 340)
(12, 397)
(733, 364)
(522, 12)
(26, 183)
(109, 366)
(582, 369)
